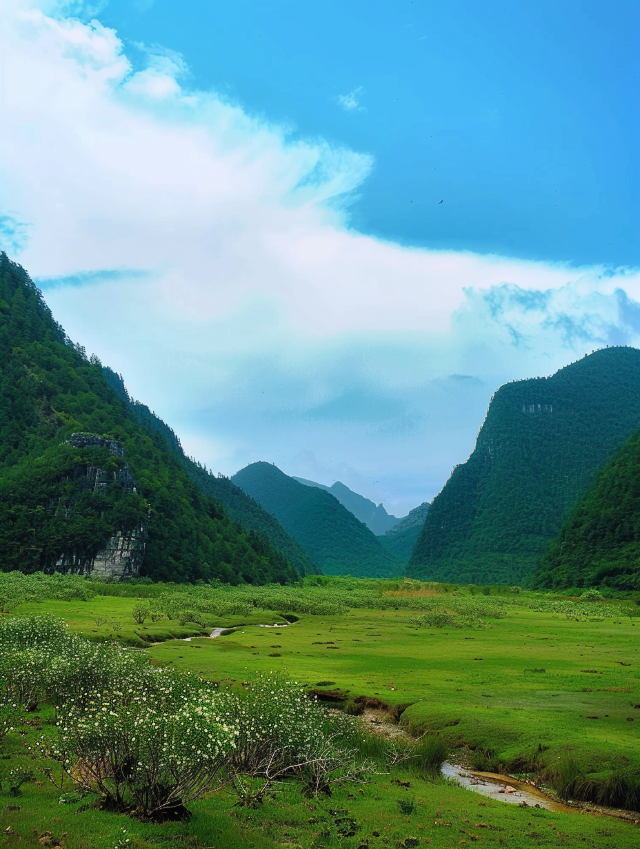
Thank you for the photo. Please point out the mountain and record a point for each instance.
(83, 486)
(599, 542)
(538, 449)
(239, 506)
(331, 535)
(375, 517)
(401, 539)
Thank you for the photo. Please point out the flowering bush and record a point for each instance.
(281, 733)
(9, 716)
(151, 754)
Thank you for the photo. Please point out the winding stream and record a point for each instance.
(502, 787)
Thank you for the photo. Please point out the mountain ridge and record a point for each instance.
(541, 442)
(330, 534)
(599, 541)
(61, 503)
(373, 515)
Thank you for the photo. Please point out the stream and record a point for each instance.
(502, 787)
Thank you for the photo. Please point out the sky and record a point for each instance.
(323, 234)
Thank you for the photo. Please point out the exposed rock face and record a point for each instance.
(123, 553)
(92, 440)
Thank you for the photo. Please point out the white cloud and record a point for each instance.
(351, 102)
(210, 260)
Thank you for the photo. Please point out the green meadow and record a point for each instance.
(536, 686)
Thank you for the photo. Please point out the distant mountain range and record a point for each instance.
(537, 452)
(375, 517)
(92, 481)
(329, 533)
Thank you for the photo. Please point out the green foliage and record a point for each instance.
(599, 543)
(49, 390)
(240, 507)
(148, 752)
(537, 451)
(327, 531)
(401, 539)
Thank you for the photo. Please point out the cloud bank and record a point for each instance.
(207, 255)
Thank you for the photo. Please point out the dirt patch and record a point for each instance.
(382, 723)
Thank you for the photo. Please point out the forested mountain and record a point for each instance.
(62, 500)
(599, 543)
(538, 449)
(401, 539)
(237, 504)
(328, 532)
(374, 516)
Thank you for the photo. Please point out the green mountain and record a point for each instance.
(599, 542)
(237, 504)
(83, 485)
(374, 516)
(538, 449)
(401, 539)
(328, 532)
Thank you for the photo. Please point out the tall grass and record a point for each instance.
(619, 789)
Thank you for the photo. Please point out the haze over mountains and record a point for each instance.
(91, 480)
(375, 517)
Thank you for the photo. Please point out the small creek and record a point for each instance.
(502, 787)
(217, 631)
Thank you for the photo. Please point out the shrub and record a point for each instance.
(145, 756)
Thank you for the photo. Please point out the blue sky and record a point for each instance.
(520, 115)
(237, 205)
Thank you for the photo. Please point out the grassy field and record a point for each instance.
(529, 691)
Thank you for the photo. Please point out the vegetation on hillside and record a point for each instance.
(599, 543)
(331, 535)
(401, 539)
(49, 390)
(237, 504)
(373, 515)
(538, 449)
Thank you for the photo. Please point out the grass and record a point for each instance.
(518, 695)
(387, 813)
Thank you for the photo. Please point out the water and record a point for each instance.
(217, 631)
(501, 787)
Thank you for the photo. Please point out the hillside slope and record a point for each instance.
(599, 543)
(401, 539)
(373, 515)
(239, 506)
(538, 449)
(328, 532)
(64, 500)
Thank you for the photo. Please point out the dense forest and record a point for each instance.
(538, 449)
(401, 539)
(237, 504)
(50, 390)
(328, 532)
(373, 515)
(599, 543)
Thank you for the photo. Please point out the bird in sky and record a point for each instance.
(442, 201)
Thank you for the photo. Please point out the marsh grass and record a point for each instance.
(466, 688)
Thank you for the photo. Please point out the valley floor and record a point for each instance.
(529, 685)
